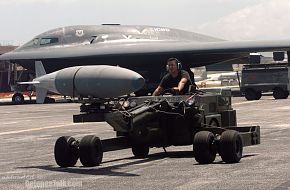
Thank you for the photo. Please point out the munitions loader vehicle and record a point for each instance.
(203, 119)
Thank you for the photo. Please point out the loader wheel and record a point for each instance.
(18, 98)
(65, 154)
(279, 93)
(91, 151)
(231, 146)
(140, 150)
(204, 149)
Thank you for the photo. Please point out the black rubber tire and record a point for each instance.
(250, 94)
(258, 95)
(286, 94)
(279, 93)
(91, 151)
(204, 149)
(64, 154)
(231, 146)
(140, 150)
(18, 98)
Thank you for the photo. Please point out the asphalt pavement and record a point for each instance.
(28, 134)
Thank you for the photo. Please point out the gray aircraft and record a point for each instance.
(143, 49)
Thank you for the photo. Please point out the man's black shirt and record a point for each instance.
(168, 81)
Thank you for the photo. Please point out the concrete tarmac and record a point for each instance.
(28, 134)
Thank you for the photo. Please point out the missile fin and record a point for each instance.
(39, 69)
(40, 95)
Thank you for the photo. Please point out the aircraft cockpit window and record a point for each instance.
(35, 41)
(32, 43)
(45, 41)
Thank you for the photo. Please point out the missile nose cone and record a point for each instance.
(138, 82)
(100, 81)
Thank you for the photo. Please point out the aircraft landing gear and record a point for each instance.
(18, 98)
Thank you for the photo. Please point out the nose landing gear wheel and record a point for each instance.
(91, 151)
(231, 146)
(65, 153)
(18, 98)
(204, 149)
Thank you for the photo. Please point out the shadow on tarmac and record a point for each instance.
(98, 170)
(222, 162)
(111, 170)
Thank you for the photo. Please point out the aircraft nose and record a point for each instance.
(138, 82)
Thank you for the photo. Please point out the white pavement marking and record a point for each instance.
(24, 118)
(248, 102)
(9, 123)
(36, 129)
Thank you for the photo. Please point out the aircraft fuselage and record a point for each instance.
(107, 45)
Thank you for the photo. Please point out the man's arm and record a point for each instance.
(182, 82)
(157, 92)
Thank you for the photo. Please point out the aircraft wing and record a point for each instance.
(149, 48)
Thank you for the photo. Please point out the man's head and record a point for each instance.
(173, 65)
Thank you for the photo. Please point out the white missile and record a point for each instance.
(100, 81)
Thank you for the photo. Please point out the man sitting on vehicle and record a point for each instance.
(176, 80)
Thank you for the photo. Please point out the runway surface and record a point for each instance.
(28, 134)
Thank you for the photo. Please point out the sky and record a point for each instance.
(21, 20)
